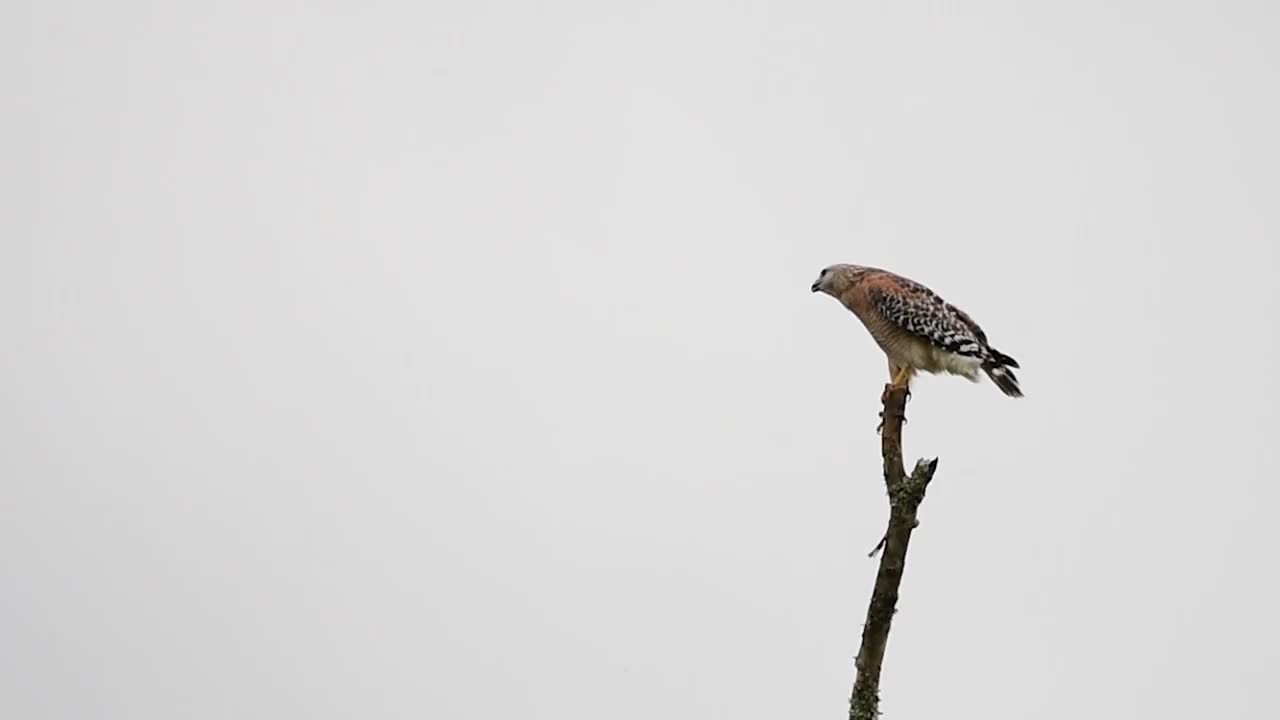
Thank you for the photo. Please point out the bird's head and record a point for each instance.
(835, 279)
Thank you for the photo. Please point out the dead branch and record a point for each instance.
(906, 492)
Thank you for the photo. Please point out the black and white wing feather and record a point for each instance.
(921, 312)
(918, 310)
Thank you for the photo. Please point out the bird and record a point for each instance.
(917, 329)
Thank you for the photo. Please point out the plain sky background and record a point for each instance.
(457, 360)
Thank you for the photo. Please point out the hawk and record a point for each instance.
(915, 328)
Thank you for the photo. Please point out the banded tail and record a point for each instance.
(998, 369)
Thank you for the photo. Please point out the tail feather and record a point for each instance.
(1002, 376)
(1002, 359)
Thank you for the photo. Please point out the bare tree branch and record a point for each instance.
(906, 492)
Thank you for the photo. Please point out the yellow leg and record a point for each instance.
(902, 377)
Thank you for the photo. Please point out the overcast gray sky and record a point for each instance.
(457, 360)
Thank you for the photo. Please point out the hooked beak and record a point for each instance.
(814, 287)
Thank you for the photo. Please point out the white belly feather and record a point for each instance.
(933, 359)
